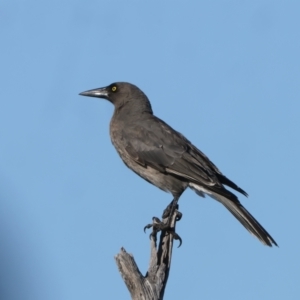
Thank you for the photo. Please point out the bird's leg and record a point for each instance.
(158, 225)
(170, 209)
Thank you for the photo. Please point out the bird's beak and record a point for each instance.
(99, 93)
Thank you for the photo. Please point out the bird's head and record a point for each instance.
(121, 94)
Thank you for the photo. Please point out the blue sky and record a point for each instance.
(224, 73)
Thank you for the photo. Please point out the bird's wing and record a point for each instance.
(154, 143)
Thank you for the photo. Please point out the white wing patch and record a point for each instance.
(201, 191)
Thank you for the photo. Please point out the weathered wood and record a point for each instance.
(152, 285)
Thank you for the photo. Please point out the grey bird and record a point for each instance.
(164, 157)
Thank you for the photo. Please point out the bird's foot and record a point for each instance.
(158, 225)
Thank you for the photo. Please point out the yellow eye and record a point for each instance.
(114, 88)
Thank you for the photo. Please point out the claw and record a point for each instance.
(177, 237)
(178, 216)
(147, 227)
(157, 225)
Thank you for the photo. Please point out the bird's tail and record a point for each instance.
(249, 222)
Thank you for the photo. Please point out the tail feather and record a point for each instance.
(249, 222)
(224, 180)
(232, 203)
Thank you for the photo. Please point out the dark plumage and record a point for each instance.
(164, 157)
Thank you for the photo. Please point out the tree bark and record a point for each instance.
(152, 285)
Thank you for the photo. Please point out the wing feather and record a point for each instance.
(166, 150)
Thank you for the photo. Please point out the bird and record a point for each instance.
(166, 158)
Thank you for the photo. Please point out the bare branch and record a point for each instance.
(152, 285)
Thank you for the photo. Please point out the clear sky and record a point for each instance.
(224, 73)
